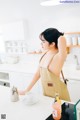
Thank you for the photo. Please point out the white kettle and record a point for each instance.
(14, 94)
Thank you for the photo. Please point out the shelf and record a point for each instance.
(16, 46)
(72, 40)
(72, 33)
(73, 46)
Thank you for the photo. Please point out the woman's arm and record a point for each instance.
(34, 80)
(62, 47)
(58, 60)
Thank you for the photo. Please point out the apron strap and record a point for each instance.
(65, 80)
(42, 56)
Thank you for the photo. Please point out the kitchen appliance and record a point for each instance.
(4, 79)
(14, 94)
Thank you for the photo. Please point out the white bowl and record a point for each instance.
(30, 99)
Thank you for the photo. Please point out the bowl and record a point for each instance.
(30, 99)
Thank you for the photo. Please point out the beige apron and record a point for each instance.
(52, 84)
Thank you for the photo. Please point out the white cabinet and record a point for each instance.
(16, 36)
(74, 90)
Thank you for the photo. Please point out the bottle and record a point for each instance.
(56, 113)
(57, 99)
(14, 94)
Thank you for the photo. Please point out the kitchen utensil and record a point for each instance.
(14, 94)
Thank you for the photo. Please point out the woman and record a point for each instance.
(51, 63)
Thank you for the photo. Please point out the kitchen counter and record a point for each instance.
(22, 68)
(19, 111)
(69, 70)
(29, 63)
(20, 75)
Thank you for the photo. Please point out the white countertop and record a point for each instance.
(19, 111)
(29, 63)
(23, 68)
(69, 70)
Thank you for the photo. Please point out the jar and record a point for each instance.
(74, 40)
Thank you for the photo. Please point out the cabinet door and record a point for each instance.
(74, 90)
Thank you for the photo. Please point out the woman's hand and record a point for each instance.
(21, 92)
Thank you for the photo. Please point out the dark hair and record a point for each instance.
(51, 35)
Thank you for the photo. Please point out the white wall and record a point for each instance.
(63, 17)
(17, 30)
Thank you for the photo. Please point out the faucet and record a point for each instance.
(76, 57)
(78, 65)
